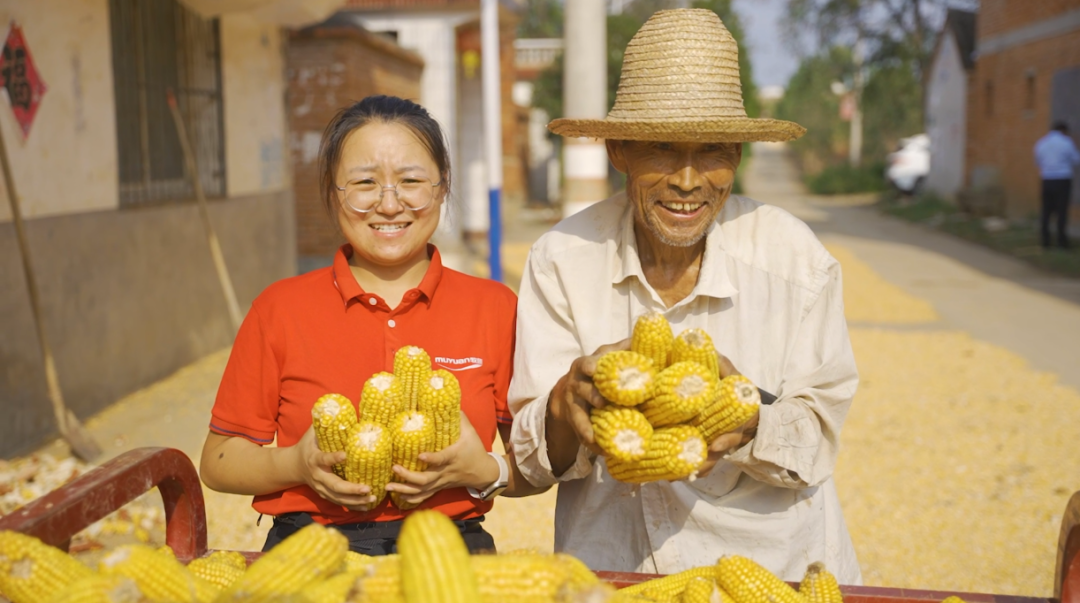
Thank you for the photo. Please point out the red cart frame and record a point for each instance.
(56, 517)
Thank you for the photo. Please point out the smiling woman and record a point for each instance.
(385, 173)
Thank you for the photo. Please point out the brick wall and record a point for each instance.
(1010, 95)
(328, 69)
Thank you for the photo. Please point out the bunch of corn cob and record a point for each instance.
(401, 414)
(667, 402)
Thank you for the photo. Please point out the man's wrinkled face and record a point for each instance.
(676, 188)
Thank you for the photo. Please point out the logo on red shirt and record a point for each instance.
(459, 364)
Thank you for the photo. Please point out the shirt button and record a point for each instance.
(372, 301)
(391, 323)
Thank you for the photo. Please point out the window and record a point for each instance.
(1029, 93)
(158, 45)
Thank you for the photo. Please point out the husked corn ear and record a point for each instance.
(673, 453)
(413, 433)
(233, 558)
(167, 551)
(333, 416)
(652, 337)
(32, 571)
(382, 399)
(215, 571)
(624, 378)
(98, 588)
(819, 586)
(670, 586)
(580, 576)
(953, 599)
(748, 582)
(622, 433)
(695, 345)
(355, 562)
(735, 402)
(440, 399)
(381, 583)
(334, 589)
(680, 392)
(311, 554)
(412, 366)
(435, 564)
(701, 590)
(161, 578)
(370, 454)
(528, 578)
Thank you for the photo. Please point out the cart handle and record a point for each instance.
(62, 513)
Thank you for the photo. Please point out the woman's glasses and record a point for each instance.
(365, 195)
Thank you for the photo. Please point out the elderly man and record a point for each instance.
(751, 275)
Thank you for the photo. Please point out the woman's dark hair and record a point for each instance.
(382, 109)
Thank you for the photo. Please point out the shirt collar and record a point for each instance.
(349, 289)
(713, 279)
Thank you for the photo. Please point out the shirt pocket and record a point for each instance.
(719, 482)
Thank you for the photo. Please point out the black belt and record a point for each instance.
(371, 530)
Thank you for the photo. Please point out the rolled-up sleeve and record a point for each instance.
(798, 436)
(546, 347)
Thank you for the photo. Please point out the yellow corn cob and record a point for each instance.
(695, 345)
(748, 582)
(440, 399)
(413, 433)
(669, 587)
(434, 561)
(333, 416)
(622, 433)
(680, 392)
(215, 571)
(735, 402)
(382, 399)
(624, 378)
(369, 457)
(167, 551)
(311, 554)
(653, 338)
(412, 366)
(161, 578)
(522, 578)
(701, 590)
(952, 599)
(356, 562)
(382, 583)
(819, 586)
(673, 453)
(334, 589)
(32, 571)
(97, 588)
(579, 575)
(233, 558)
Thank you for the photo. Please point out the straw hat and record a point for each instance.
(680, 83)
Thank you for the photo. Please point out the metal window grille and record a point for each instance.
(158, 45)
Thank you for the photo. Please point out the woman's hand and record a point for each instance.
(314, 467)
(465, 463)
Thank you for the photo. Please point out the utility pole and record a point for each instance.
(585, 161)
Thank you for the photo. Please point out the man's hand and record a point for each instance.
(738, 437)
(465, 463)
(315, 467)
(571, 401)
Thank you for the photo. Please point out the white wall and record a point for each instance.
(253, 87)
(68, 163)
(946, 119)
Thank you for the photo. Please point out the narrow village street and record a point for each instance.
(959, 453)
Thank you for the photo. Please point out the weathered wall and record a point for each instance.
(946, 119)
(1006, 116)
(68, 163)
(327, 70)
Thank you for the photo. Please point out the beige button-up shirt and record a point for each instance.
(769, 295)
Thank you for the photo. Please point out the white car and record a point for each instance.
(908, 166)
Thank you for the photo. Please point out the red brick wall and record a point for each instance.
(326, 72)
(1004, 126)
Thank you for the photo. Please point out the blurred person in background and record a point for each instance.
(384, 176)
(1057, 157)
(753, 276)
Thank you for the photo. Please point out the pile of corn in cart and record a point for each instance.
(55, 518)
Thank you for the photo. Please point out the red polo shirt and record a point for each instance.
(320, 333)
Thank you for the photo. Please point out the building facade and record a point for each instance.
(1027, 75)
(128, 287)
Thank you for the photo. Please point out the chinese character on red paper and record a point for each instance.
(20, 78)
